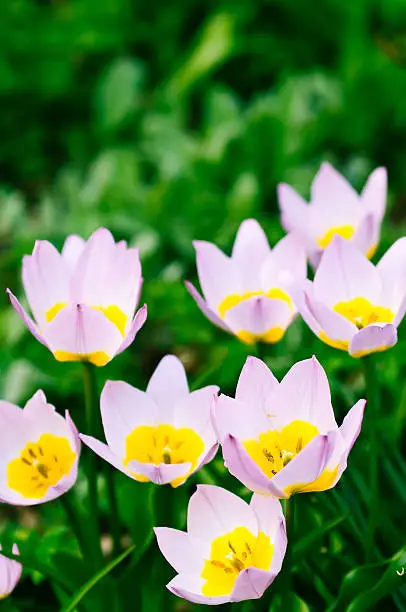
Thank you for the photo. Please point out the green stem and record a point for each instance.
(372, 412)
(287, 563)
(77, 523)
(92, 429)
(262, 351)
(114, 516)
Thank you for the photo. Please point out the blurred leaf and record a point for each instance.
(290, 602)
(303, 545)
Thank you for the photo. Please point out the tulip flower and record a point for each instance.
(352, 304)
(39, 452)
(248, 294)
(282, 438)
(83, 299)
(335, 208)
(232, 550)
(162, 435)
(10, 573)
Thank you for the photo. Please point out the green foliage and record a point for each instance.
(169, 122)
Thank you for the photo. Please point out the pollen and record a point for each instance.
(40, 465)
(232, 553)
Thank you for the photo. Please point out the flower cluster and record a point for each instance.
(277, 438)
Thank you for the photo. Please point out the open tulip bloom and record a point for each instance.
(335, 208)
(10, 573)
(83, 299)
(39, 452)
(232, 550)
(282, 438)
(352, 304)
(248, 294)
(162, 435)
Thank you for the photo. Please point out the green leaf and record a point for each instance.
(77, 598)
(291, 603)
(31, 562)
(308, 542)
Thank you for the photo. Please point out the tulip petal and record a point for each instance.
(333, 196)
(373, 194)
(105, 453)
(218, 274)
(32, 327)
(220, 512)
(72, 250)
(255, 383)
(366, 236)
(259, 316)
(286, 264)
(138, 322)
(250, 250)
(210, 314)
(190, 588)
(123, 409)
(268, 511)
(251, 583)
(194, 412)
(179, 551)
(345, 273)
(392, 269)
(336, 328)
(372, 339)
(160, 474)
(168, 384)
(351, 426)
(240, 465)
(10, 573)
(304, 394)
(294, 210)
(230, 417)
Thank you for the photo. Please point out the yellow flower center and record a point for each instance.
(112, 313)
(230, 554)
(361, 312)
(346, 231)
(163, 444)
(274, 449)
(40, 465)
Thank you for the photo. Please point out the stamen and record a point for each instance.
(231, 547)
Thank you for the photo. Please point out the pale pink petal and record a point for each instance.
(307, 466)
(123, 409)
(10, 573)
(286, 264)
(280, 545)
(401, 312)
(303, 296)
(251, 583)
(373, 195)
(72, 250)
(168, 384)
(32, 327)
(210, 314)
(42, 418)
(250, 250)
(351, 426)
(46, 279)
(304, 395)
(238, 418)
(160, 474)
(366, 236)
(268, 511)
(189, 587)
(255, 383)
(179, 551)
(105, 453)
(336, 327)
(392, 269)
(345, 273)
(240, 465)
(294, 209)
(218, 275)
(333, 195)
(137, 323)
(259, 315)
(194, 412)
(214, 511)
(372, 339)
(74, 433)
(123, 280)
(81, 330)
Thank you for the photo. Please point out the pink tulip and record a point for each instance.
(282, 438)
(39, 452)
(248, 294)
(161, 435)
(232, 550)
(83, 299)
(352, 304)
(10, 573)
(335, 208)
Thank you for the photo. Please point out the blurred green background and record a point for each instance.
(168, 122)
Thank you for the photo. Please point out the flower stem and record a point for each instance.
(261, 351)
(114, 516)
(77, 523)
(290, 530)
(371, 386)
(92, 429)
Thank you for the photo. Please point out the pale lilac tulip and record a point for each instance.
(10, 573)
(232, 550)
(248, 294)
(335, 208)
(352, 304)
(163, 434)
(39, 452)
(282, 438)
(83, 299)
